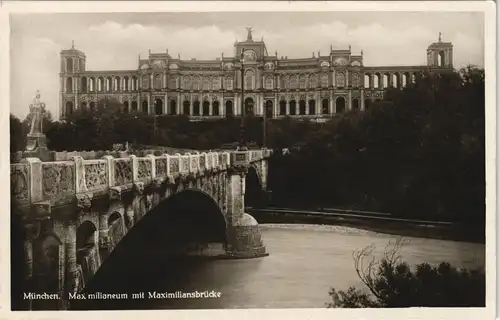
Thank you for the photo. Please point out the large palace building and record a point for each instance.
(316, 87)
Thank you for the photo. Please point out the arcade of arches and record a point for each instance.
(206, 108)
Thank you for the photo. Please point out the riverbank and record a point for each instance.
(422, 229)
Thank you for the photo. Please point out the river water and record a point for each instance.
(305, 261)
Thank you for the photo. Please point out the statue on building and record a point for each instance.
(249, 34)
(37, 109)
(36, 145)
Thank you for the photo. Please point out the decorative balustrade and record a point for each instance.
(34, 181)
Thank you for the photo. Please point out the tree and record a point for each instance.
(17, 134)
(391, 283)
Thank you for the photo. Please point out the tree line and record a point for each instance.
(418, 153)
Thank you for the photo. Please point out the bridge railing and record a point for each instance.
(34, 181)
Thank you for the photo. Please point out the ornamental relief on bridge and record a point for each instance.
(123, 171)
(19, 181)
(96, 175)
(57, 179)
(174, 165)
(161, 167)
(144, 169)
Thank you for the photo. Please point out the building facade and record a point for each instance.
(317, 87)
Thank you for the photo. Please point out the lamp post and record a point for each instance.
(242, 144)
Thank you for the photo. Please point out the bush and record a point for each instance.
(392, 284)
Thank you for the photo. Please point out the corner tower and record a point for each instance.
(440, 54)
(73, 62)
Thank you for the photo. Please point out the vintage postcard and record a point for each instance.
(270, 159)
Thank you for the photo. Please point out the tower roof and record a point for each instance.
(440, 43)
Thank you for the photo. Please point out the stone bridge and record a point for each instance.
(71, 215)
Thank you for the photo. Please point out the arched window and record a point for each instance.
(312, 81)
(206, 108)
(172, 82)
(69, 65)
(340, 105)
(340, 79)
(312, 106)
(229, 84)
(116, 84)
(134, 83)
(293, 107)
(355, 104)
(367, 81)
(269, 82)
(91, 84)
(282, 107)
(376, 80)
(395, 80)
(69, 107)
(158, 106)
(186, 107)
(69, 85)
(186, 83)
(206, 83)
(302, 107)
(386, 81)
(145, 82)
(196, 108)
(109, 84)
(367, 103)
(215, 108)
(249, 80)
(100, 84)
(325, 106)
(302, 82)
(196, 83)
(269, 109)
(229, 108)
(355, 81)
(404, 79)
(293, 82)
(125, 84)
(249, 104)
(215, 83)
(84, 85)
(158, 82)
(324, 80)
(145, 106)
(441, 59)
(172, 108)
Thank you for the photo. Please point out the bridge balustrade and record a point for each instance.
(33, 181)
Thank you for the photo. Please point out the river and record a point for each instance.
(304, 262)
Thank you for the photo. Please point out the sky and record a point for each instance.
(113, 41)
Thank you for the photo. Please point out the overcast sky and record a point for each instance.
(114, 41)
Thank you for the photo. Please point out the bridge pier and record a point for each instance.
(243, 233)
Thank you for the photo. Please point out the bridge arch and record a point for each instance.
(253, 187)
